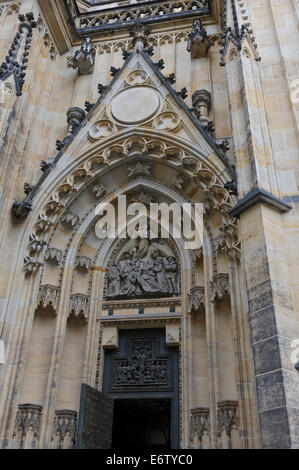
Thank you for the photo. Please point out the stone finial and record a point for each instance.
(140, 33)
(198, 43)
(84, 58)
(17, 58)
(202, 101)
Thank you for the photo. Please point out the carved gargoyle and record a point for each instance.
(84, 58)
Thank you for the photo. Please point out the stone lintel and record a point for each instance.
(256, 196)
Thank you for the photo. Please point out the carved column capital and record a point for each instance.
(199, 423)
(227, 416)
(64, 425)
(28, 418)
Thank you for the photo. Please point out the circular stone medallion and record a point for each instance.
(135, 105)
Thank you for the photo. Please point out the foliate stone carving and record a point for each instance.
(49, 297)
(201, 102)
(31, 265)
(53, 255)
(99, 190)
(84, 58)
(83, 263)
(143, 197)
(145, 270)
(196, 299)
(140, 33)
(220, 287)
(198, 43)
(64, 427)
(227, 416)
(36, 244)
(28, 419)
(199, 423)
(70, 219)
(180, 181)
(17, 58)
(139, 169)
(79, 306)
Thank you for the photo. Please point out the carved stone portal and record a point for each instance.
(144, 268)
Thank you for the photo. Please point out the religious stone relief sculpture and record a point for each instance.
(142, 368)
(144, 268)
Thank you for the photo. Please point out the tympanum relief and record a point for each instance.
(144, 268)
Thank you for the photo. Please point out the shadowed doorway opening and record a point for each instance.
(142, 423)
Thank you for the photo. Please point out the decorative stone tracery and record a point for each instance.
(28, 422)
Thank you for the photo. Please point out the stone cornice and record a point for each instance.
(256, 196)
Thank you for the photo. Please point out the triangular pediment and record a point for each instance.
(140, 97)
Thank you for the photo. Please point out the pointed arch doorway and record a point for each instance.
(139, 404)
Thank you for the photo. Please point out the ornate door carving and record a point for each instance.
(144, 367)
(95, 419)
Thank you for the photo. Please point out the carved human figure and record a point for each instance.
(171, 274)
(114, 281)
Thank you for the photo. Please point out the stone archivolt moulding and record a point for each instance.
(130, 147)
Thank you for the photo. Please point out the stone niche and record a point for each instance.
(144, 268)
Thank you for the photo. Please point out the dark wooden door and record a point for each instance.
(95, 419)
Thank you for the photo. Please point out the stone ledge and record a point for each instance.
(256, 196)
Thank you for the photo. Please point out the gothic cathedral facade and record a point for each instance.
(116, 342)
